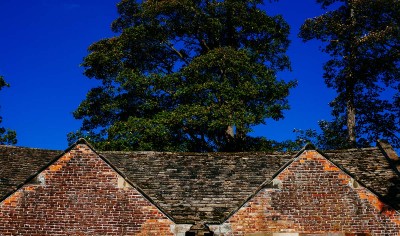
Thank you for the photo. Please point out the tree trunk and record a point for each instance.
(351, 117)
(230, 132)
(350, 83)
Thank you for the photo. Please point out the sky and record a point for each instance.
(43, 43)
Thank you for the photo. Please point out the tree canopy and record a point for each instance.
(7, 136)
(190, 75)
(363, 39)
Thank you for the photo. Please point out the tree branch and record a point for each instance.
(169, 44)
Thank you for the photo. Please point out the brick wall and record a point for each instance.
(80, 195)
(314, 197)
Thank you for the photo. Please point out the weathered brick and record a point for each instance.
(80, 197)
(320, 200)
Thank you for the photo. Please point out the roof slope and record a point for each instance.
(198, 187)
(370, 167)
(195, 187)
(19, 164)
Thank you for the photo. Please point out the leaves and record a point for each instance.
(362, 38)
(7, 136)
(2, 82)
(184, 75)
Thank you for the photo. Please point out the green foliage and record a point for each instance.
(332, 136)
(2, 82)
(7, 136)
(191, 75)
(362, 37)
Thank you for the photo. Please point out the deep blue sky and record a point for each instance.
(42, 43)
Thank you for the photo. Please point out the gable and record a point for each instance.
(372, 168)
(79, 193)
(314, 196)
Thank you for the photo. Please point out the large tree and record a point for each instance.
(188, 75)
(7, 136)
(363, 39)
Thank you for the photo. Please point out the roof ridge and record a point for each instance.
(31, 148)
(349, 150)
(200, 153)
(135, 152)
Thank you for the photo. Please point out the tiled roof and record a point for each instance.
(195, 187)
(18, 165)
(198, 187)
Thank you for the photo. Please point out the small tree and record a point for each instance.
(191, 75)
(7, 136)
(362, 37)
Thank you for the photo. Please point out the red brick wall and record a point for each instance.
(80, 196)
(315, 197)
